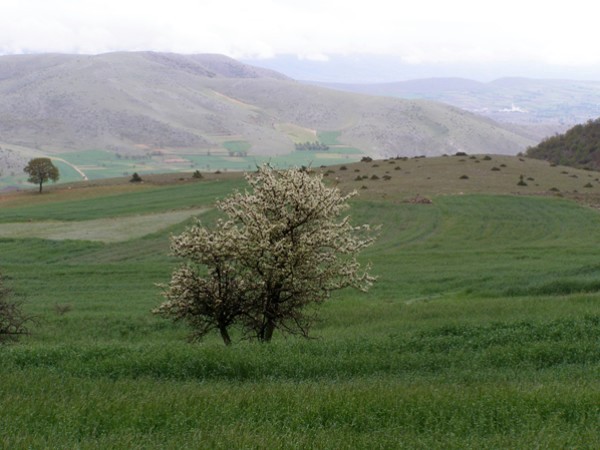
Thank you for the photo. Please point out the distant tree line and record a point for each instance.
(133, 157)
(240, 153)
(578, 147)
(312, 146)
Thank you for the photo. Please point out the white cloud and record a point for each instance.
(419, 32)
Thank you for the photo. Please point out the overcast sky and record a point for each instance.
(416, 31)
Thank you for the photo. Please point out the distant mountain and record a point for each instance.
(357, 68)
(140, 102)
(537, 108)
(118, 101)
(578, 147)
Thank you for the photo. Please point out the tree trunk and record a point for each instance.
(41, 186)
(225, 335)
(268, 331)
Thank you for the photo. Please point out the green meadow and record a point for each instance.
(482, 330)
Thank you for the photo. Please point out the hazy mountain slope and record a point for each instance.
(144, 101)
(538, 107)
(116, 100)
(385, 126)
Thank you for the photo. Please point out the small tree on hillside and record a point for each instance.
(41, 170)
(135, 178)
(283, 247)
(207, 299)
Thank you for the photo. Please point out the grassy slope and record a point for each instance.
(482, 331)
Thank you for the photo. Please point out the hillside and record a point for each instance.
(171, 112)
(538, 108)
(578, 147)
(481, 330)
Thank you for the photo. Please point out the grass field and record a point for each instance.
(482, 331)
(100, 164)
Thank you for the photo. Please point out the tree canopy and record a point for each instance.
(281, 247)
(41, 170)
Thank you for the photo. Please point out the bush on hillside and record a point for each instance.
(13, 321)
(135, 178)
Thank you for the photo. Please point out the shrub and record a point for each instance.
(374, 177)
(135, 178)
(13, 321)
(521, 181)
(589, 185)
(62, 309)
(366, 159)
(343, 168)
(197, 174)
(495, 169)
(464, 177)
(487, 158)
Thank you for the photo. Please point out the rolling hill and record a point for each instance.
(481, 330)
(170, 110)
(538, 108)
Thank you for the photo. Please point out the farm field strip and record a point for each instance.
(113, 229)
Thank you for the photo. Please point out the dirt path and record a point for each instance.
(77, 169)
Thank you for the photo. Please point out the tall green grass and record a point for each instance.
(482, 331)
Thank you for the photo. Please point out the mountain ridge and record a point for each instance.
(537, 108)
(136, 103)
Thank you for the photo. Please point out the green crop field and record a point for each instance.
(482, 330)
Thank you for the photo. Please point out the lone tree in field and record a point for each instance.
(41, 170)
(282, 247)
(13, 322)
